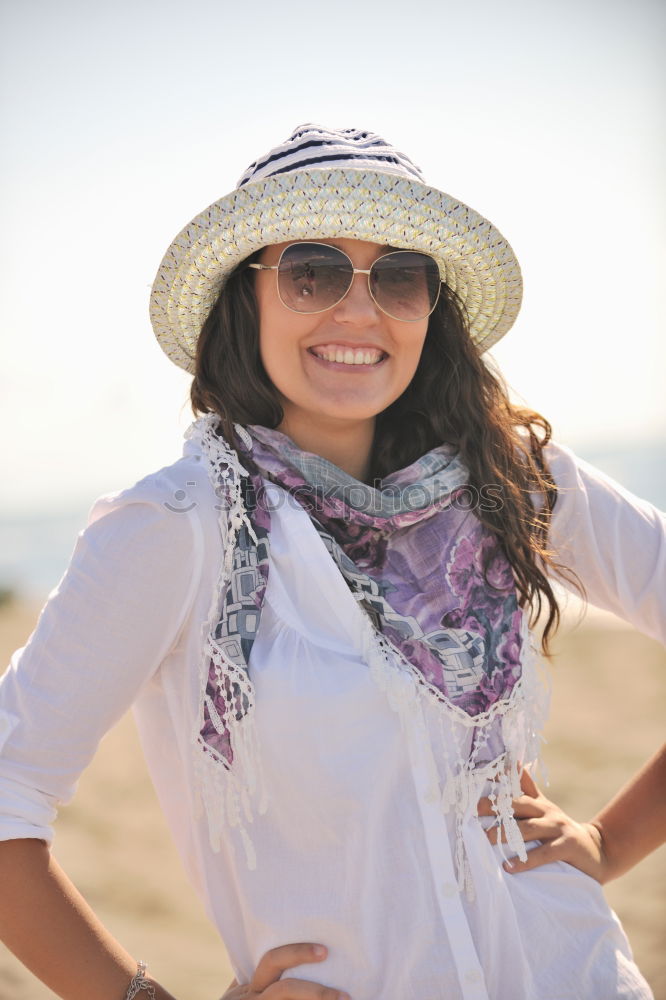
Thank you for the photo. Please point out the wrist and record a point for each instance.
(144, 987)
(607, 870)
(139, 984)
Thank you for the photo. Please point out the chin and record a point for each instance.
(351, 413)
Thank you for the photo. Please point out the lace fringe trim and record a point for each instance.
(227, 793)
(459, 783)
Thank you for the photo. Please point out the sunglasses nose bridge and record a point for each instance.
(358, 296)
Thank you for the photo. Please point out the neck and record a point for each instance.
(347, 445)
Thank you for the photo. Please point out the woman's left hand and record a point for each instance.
(562, 838)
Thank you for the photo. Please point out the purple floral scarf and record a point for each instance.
(411, 550)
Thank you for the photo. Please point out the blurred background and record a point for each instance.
(121, 121)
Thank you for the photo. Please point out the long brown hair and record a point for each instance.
(454, 397)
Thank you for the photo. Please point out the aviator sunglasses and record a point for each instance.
(314, 277)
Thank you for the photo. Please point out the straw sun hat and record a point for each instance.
(331, 184)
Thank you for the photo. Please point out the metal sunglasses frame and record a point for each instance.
(355, 270)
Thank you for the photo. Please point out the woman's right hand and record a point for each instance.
(266, 982)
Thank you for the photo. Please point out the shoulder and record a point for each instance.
(174, 505)
(173, 486)
(588, 497)
(573, 474)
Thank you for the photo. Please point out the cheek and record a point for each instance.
(279, 336)
(412, 350)
(271, 331)
(274, 361)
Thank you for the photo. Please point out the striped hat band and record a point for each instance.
(313, 146)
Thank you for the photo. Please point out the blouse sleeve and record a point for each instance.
(614, 541)
(114, 616)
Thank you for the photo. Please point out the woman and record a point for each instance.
(364, 525)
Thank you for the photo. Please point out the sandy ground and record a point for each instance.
(609, 701)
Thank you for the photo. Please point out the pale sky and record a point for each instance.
(121, 121)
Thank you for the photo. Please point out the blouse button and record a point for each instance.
(473, 976)
(449, 889)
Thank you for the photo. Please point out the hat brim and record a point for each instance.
(473, 257)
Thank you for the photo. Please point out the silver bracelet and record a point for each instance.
(139, 983)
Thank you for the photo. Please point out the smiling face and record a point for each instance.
(341, 367)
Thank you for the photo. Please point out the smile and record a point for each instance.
(342, 355)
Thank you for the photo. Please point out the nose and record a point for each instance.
(358, 308)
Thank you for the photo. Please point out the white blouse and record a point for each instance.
(351, 851)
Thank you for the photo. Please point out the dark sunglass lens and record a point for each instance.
(405, 284)
(313, 277)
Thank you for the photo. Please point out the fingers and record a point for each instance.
(285, 956)
(524, 807)
(530, 791)
(530, 829)
(484, 807)
(560, 838)
(266, 979)
(541, 855)
(527, 784)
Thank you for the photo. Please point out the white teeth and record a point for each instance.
(348, 356)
